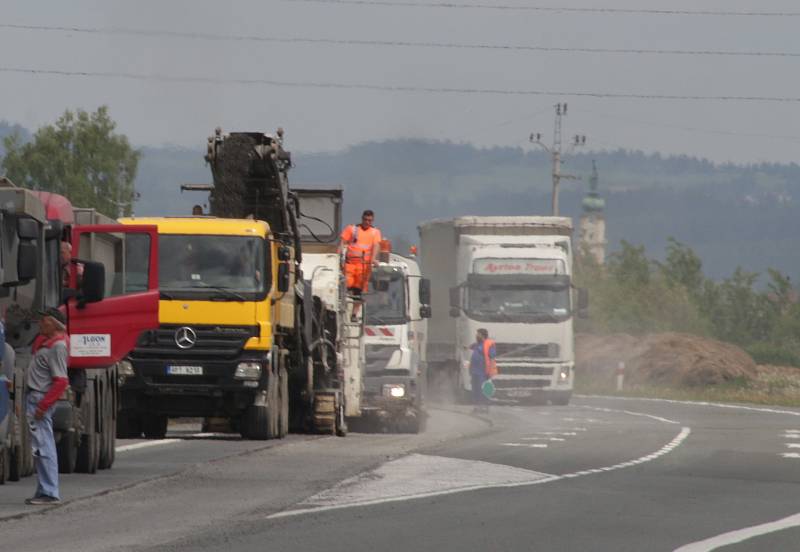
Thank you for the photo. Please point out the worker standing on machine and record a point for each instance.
(361, 244)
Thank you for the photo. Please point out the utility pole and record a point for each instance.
(556, 152)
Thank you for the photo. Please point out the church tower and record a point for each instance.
(593, 221)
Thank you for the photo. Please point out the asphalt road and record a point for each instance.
(600, 474)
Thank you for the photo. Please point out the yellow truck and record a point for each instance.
(228, 344)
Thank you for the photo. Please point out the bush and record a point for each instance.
(768, 353)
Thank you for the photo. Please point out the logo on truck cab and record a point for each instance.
(185, 337)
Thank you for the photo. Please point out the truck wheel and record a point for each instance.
(5, 465)
(108, 433)
(284, 425)
(67, 448)
(15, 466)
(88, 453)
(129, 426)
(561, 400)
(155, 427)
(257, 423)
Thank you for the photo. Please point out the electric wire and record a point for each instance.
(552, 9)
(397, 88)
(192, 35)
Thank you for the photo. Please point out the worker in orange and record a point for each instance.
(360, 243)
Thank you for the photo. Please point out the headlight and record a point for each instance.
(126, 369)
(394, 391)
(248, 371)
(563, 374)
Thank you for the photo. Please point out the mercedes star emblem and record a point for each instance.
(185, 337)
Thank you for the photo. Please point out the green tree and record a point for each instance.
(80, 157)
(683, 267)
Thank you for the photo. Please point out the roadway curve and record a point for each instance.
(601, 474)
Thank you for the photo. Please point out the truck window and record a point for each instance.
(386, 300)
(126, 258)
(213, 267)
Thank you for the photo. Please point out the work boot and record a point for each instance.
(42, 501)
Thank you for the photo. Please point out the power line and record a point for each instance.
(551, 9)
(389, 43)
(397, 88)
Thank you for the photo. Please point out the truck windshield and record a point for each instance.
(386, 300)
(224, 268)
(503, 302)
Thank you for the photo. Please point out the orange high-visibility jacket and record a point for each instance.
(360, 242)
(489, 363)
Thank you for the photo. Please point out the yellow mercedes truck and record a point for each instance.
(228, 331)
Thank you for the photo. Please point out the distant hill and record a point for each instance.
(732, 215)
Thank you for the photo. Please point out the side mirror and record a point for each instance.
(27, 254)
(425, 291)
(93, 282)
(27, 229)
(53, 230)
(583, 303)
(454, 312)
(284, 277)
(425, 311)
(455, 297)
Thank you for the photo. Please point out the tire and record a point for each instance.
(108, 432)
(274, 407)
(257, 424)
(284, 403)
(15, 464)
(5, 465)
(562, 399)
(129, 426)
(341, 423)
(67, 448)
(155, 427)
(88, 448)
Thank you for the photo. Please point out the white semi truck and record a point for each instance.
(396, 308)
(513, 277)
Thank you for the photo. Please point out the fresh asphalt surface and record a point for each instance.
(600, 474)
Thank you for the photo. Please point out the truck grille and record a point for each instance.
(517, 383)
(518, 370)
(523, 350)
(222, 342)
(378, 356)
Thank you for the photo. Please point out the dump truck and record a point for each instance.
(397, 307)
(241, 336)
(513, 277)
(105, 314)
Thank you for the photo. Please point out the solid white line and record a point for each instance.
(694, 403)
(630, 413)
(146, 444)
(741, 535)
(666, 449)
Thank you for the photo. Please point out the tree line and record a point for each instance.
(635, 294)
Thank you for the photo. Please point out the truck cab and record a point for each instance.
(218, 350)
(397, 306)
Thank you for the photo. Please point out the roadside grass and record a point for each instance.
(776, 386)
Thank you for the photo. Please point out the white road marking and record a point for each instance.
(542, 439)
(695, 403)
(791, 436)
(527, 445)
(390, 481)
(741, 535)
(790, 454)
(564, 433)
(793, 445)
(146, 444)
(792, 430)
(630, 413)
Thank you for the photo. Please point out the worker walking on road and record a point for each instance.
(361, 243)
(482, 367)
(47, 380)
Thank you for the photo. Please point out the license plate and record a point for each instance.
(519, 393)
(185, 370)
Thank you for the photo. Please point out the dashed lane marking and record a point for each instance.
(552, 439)
(397, 480)
(741, 535)
(147, 444)
(790, 454)
(561, 433)
(631, 413)
(793, 445)
(525, 445)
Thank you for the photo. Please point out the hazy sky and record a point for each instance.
(156, 112)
